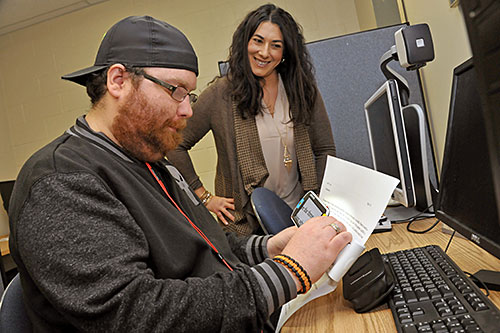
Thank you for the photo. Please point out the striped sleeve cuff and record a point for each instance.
(276, 283)
(256, 249)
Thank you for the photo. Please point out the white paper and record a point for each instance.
(323, 286)
(357, 197)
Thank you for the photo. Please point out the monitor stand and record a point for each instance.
(417, 136)
(383, 225)
(490, 278)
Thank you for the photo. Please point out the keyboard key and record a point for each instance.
(445, 290)
(467, 320)
(472, 328)
(480, 306)
(424, 327)
(402, 309)
(434, 293)
(409, 296)
(409, 328)
(457, 330)
(398, 300)
(421, 295)
(417, 312)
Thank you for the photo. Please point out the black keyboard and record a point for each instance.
(432, 294)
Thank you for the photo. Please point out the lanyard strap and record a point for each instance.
(187, 218)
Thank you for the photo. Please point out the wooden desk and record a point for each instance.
(332, 313)
(4, 245)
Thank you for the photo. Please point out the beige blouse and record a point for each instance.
(274, 131)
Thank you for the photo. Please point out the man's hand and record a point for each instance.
(277, 243)
(316, 244)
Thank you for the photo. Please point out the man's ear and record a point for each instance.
(116, 82)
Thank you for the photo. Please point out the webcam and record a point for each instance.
(414, 46)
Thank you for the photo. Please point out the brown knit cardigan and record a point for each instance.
(240, 162)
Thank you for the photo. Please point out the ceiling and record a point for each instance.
(18, 14)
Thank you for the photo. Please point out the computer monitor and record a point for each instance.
(5, 191)
(223, 68)
(482, 20)
(467, 201)
(388, 141)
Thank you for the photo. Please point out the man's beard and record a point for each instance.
(139, 130)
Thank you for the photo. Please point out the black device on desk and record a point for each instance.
(432, 293)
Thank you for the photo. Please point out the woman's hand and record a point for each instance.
(219, 206)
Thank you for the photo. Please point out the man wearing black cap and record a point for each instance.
(106, 233)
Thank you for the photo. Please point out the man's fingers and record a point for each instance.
(340, 241)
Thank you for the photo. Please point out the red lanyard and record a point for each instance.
(187, 218)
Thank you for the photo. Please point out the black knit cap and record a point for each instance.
(141, 41)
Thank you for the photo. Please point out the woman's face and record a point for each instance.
(265, 49)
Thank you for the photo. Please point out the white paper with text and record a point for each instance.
(356, 196)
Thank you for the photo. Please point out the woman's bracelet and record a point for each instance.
(297, 270)
(205, 197)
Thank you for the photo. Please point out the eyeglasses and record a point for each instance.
(178, 93)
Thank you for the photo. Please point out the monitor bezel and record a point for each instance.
(406, 194)
(481, 240)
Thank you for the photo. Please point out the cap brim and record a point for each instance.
(81, 76)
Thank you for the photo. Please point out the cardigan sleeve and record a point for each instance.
(89, 258)
(320, 133)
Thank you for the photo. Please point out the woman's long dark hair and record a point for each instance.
(296, 70)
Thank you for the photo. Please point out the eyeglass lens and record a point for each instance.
(180, 93)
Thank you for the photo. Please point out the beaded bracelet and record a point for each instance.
(302, 271)
(297, 270)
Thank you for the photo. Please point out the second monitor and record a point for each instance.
(388, 142)
(398, 142)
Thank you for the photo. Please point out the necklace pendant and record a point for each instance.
(287, 160)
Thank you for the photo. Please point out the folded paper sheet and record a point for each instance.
(356, 196)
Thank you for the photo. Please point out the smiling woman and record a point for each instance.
(268, 120)
(265, 51)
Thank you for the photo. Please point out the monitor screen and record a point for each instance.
(6, 190)
(223, 68)
(466, 199)
(388, 142)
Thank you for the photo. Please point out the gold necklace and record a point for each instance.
(287, 158)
